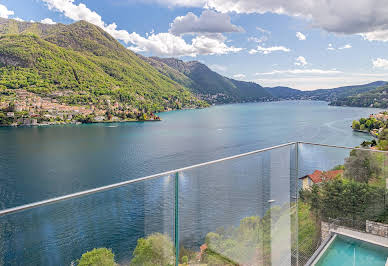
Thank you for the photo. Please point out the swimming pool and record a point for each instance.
(348, 251)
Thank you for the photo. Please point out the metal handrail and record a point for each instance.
(340, 147)
(124, 183)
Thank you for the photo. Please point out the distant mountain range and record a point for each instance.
(330, 95)
(78, 72)
(209, 85)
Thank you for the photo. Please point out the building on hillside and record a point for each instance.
(318, 177)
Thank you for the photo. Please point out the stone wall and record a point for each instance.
(325, 230)
(377, 228)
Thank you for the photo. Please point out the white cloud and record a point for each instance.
(209, 22)
(378, 35)
(218, 68)
(48, 21)
(380, 63)
(301, 71)
(347, 46)
(18, 19)
(167, 44)
(162, 44)
(366, 17)
(300, 61)
(300, 36)
(239, 76)
(263, 30)
(258, 40)
(268, 50)
(253, 51)
(4, 12)
(332, 48)
(76, 12)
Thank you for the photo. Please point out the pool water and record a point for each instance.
(348, 251)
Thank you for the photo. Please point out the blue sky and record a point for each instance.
(305, 44)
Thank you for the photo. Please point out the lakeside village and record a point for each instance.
(28, 109)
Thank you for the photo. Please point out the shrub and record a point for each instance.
(156, 249)
(97, 257)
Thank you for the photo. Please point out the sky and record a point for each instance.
(303, 44)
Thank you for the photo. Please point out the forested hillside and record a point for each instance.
(82, 68)
(377, 98)
(210, 85)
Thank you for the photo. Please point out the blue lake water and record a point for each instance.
(43, 162)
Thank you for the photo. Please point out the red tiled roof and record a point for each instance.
(319, 176)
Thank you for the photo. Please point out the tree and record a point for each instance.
(185, 260)
(362, 166)
(356, 125)
(156, 249)
(368, 124)
(383, 140)
(97, 257)
(351, 201)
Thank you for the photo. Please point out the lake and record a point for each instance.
(42, 162)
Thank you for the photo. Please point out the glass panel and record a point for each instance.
(238, 212)
(60, 233)
(342, 191)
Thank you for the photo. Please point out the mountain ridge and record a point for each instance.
(213, 87)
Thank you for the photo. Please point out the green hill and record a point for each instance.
(210, 85)
(377, 98)
(285, 92)
(81, 65)
(336, 95)
(333, 94)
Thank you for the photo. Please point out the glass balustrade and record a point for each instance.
(278, 206)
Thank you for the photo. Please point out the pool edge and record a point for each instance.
(321, 250)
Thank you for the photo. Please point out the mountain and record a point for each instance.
(377, 98)
(82, 69)
(341, 92)
(330, 95)
(208, 84)
(285, 92)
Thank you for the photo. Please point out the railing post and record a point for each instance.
(176, 223)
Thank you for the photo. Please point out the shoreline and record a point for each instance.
(78, 123)
(184, 109)
(365, 132)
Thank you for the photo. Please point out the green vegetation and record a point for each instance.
(359, 196)
(363, 166)
(383, 140)
(210, 85)
(81, 65)
(156, 249)
(368, 124)
(97, 257)
(350, 201)
(42, 67)
(377, 98)
(377, 127)
(308, 232)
